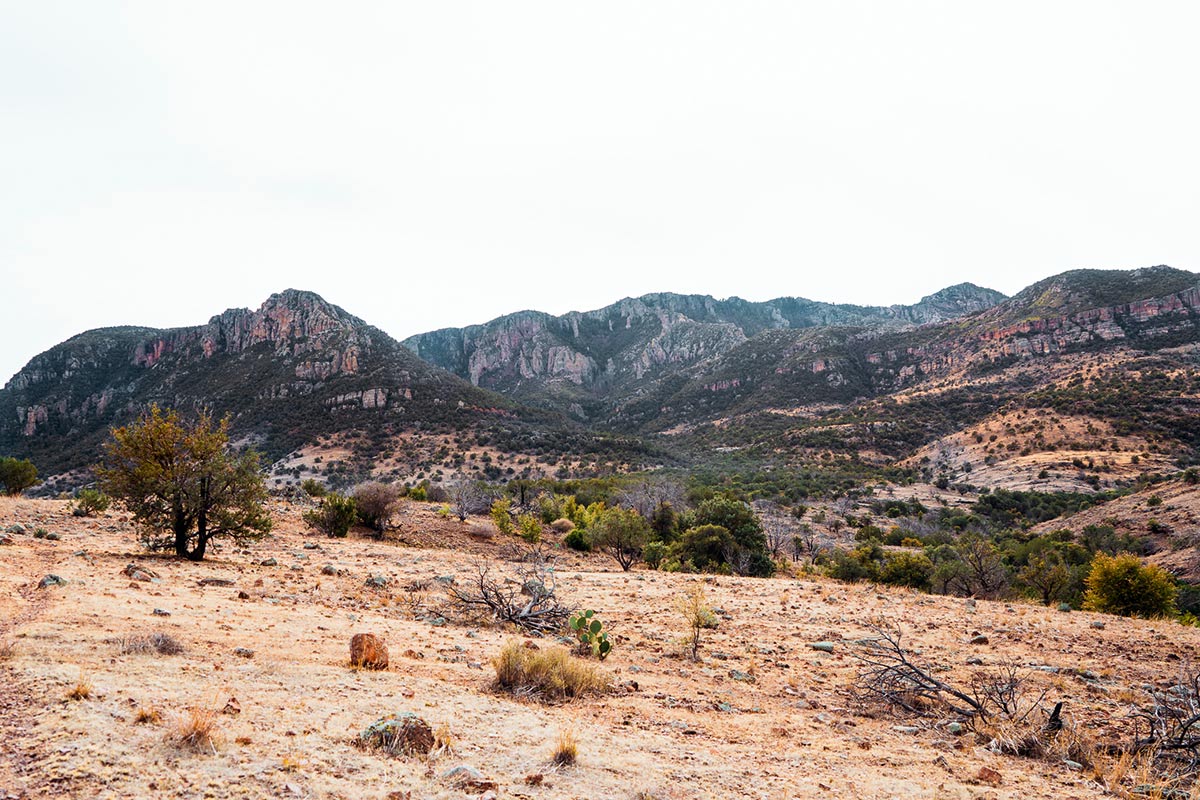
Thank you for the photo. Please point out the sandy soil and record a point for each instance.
(762, 715)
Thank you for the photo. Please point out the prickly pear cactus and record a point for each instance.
(590, 633)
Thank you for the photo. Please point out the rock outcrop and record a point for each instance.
(581, 361)
(287, 372)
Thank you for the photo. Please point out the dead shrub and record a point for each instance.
(995, 705)
(525, 595)
(1167, 737)
(562, 525)
(7, 648)
(522, 668)
(164, 644)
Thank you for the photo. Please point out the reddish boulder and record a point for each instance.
(367, 651)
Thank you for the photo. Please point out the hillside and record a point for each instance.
(295, 375)
(588, 363)
(264, 653)
(1085, 380)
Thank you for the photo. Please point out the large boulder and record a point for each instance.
(367, 651)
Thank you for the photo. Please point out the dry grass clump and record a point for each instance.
(7, 648)
(82, 689)
(147, 715)
(562, 525)
(566, 748)
(158, 642)
(1027, 735)
(197, 730)
(523, 668)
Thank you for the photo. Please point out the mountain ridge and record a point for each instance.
(570, 362)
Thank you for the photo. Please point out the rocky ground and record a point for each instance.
(265, 632)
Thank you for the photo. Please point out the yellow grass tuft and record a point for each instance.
(566, 747)
(83, 688)
(550, 673)
(196, 729)
(147, 716)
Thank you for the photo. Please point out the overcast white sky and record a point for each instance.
(441, 163)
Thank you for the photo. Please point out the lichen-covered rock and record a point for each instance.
(368, 651)
(399, 734)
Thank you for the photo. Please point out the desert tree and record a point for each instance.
(981, 570)
(17, 475)
(179, 479)
(1046, 574)
(622, 533)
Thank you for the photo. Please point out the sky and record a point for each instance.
(435, 164)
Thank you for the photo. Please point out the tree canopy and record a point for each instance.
(178, 479)
(17, 475)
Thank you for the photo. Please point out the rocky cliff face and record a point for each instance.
(287, 371)
(788, 367)
(586, 359)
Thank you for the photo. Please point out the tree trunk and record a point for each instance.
(180, 528)
(197, 553)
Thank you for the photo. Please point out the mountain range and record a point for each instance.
(661, 379)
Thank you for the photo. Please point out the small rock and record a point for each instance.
(17, 528)
(368, 651)
(989, 776)
(376, 582)
(906, 729)
(311, 546)
(243, 652)
(161, 612)
(975, 661)
(1073, 765)
(139, 573)
(980, 639)
(743, 677)
(243, 595)
(955, 728)
(329, 569)
(824, 647)
(215, 582)
(50, 580)
(52, 537)
(1098, 625)
(462, 774)
(268, 562)
(400, 734)
(445, 579)
(4, 539)
(232, 707)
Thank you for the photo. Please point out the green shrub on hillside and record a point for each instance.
(1123, 585)
(335, 516)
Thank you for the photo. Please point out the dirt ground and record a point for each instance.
(762, 715)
